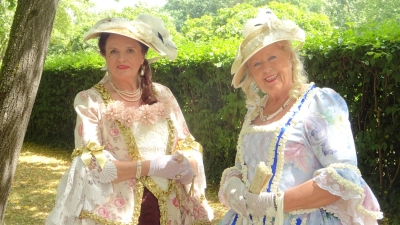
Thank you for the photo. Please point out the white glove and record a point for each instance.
(168, 167)
(234, 193)
(260, 204)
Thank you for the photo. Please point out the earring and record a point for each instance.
(142, 71)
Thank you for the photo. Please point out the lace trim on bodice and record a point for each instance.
(151, 140)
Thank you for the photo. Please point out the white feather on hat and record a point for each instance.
(146, 29)
(259, 32)
(162, 41)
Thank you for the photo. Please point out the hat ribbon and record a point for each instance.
(263, 29)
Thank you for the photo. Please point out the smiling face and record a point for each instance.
(271, 68)
(123, 55)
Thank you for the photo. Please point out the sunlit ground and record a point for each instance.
(35, 182)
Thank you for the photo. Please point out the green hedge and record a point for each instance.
(53, 117)
(363, 69)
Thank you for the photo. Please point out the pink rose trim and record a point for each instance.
(114, 132)
(119, 202)
(103, 212)
(132, 183)
(175, 202)
(80, 129)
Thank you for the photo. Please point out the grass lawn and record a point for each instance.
(35, 182)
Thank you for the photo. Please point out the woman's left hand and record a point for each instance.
(185, 178)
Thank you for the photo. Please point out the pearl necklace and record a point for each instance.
(265, 118)
(128, 96)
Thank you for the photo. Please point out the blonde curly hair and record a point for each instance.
(251, 89)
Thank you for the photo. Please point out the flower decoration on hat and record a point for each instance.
(258, 33)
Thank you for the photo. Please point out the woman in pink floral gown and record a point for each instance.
(135, 161)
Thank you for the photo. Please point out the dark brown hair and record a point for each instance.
(148, 96)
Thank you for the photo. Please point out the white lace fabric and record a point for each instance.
(350, 208)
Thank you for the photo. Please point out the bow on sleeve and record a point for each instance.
(189, 144)
(91, 149)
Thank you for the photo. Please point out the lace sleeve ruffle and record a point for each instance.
(357, 204)
(82, 189)
(200, 173)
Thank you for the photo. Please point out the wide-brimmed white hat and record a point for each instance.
(260, 32)
(146, 29)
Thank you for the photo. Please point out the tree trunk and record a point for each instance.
(19, 80)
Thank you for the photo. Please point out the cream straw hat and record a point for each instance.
(146, 29)
(260, 32)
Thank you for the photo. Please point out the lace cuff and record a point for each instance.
(358, 204)
(106, 174)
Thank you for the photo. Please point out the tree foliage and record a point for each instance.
(71, 20)
(75, 17)
(191, 20)
(361, 12)
(343, 12)
(228, 23)
(7, 9)
(182, 10)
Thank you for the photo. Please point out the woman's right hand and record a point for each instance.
(169, 167)
(234, 192)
